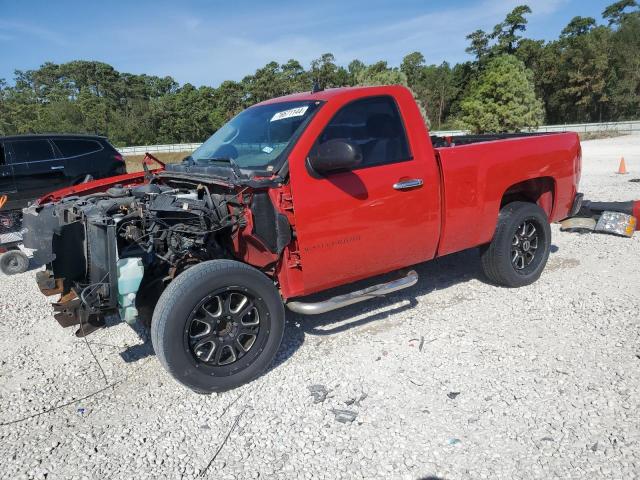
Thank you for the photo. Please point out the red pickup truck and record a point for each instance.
(294, 196)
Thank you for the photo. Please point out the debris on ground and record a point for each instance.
(344, 416)
(616, 218)
(578, 225)
(453, 441)
(617, 223)
(319, 393)
(356, 402)
(453, 395)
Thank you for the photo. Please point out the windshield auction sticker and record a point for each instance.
(293, 112)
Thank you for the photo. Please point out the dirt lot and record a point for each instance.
(454, 378)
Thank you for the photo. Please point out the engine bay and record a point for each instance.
(98, 245)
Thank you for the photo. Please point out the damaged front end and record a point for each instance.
(112, 253)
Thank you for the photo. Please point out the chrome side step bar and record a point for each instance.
(355, 297)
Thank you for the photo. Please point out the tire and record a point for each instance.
(14, 262)
(514, 258)
(195, 331)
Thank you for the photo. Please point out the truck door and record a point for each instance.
(7, 183)
(379, 217)
(36, 168)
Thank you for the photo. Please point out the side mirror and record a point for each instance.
(336, 154)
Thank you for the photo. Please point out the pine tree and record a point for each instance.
(503, 98)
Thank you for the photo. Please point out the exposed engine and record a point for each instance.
(165, 228)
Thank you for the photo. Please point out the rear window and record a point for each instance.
(73, 148)
(25, 151)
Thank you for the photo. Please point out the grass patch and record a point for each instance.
(601, 135)
(134, 162)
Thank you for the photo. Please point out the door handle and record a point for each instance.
(406, 184)
(59, 167)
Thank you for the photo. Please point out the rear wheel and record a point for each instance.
(218, 325)
(14, 262)
(520, 247)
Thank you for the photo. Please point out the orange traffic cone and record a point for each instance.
(622, 169)
(3, 200)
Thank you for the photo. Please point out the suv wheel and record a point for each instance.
(520, 247)
(218, 325)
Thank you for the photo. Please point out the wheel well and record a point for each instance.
(536, 190)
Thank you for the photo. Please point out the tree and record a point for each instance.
(326, 73)
(413, 67)
(505, 33)
(354, 69)
(624, 87)
(479, 44)
(503, 98)
(615, 12)
(586, 59)
(578, 26)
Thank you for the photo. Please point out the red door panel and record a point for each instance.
(354, 225)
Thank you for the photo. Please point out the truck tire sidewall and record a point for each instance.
(178, 301)
(14, 262)
(512, 216)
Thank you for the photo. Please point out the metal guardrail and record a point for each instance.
(142, 149)
(630, 126)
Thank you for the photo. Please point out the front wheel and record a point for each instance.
(520, 247)
(218, 325)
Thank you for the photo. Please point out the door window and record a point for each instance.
(2, 160)
(73, 148)
(25, 151)
(375, 125)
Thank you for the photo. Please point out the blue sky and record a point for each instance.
(206, 42)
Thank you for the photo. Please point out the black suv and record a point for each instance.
(33, 165)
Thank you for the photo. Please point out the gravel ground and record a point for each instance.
(453, 378)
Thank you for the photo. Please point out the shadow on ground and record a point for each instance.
(438, 274)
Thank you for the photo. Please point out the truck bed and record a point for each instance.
(480, 171)
(452, 141)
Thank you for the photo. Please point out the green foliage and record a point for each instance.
(502, 99)
(615, 12)
(578, 26)
(590, 73)
(506, 33)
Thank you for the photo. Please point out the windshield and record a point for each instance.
(256, 137)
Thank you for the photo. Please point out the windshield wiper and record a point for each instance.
(234, 166)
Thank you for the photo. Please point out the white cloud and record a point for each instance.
(12, 29)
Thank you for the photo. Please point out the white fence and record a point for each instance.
(623, 127)
(142, 149)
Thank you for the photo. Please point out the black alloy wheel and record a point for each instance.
(225, 326)
(520, 246)
(524, 245)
